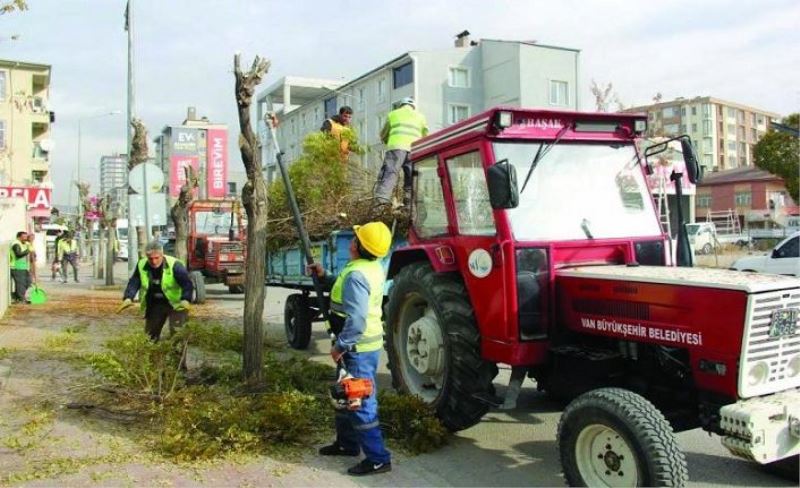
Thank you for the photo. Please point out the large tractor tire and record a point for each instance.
(199, 285)
(433, 345)
(614, 437)
(297, 321)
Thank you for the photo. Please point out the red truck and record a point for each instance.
(535, 243)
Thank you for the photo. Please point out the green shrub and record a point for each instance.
(410, 422)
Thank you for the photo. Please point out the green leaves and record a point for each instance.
(777, 152)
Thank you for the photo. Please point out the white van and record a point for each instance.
(122, 237)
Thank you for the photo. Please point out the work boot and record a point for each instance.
(336, 450)
(366, 467)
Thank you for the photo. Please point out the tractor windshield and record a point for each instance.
(215, 223)
(580, 191)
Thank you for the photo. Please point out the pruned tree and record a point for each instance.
(777, 152)
(180, 213)
(254, 198)
(84, 207)
(14, 5)
(108, 233)
(657, 97)
(604, 96)
(138, 156)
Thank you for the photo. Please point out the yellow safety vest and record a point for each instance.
(22, 263)
(337, 131)
(406, 125)
(65, 247)
(372, 338)
(172, 290)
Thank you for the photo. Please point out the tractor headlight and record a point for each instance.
(793, 367)
(758, 373)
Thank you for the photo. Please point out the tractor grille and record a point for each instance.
(770, 362)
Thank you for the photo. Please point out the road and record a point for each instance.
(510, 448)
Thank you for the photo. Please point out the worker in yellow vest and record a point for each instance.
(403, 126)
(355, 313)
(20, 259)
(339, 128)
(67, 253)
(164, 288)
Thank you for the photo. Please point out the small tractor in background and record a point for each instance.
(216, 245)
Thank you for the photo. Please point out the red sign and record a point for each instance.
(37, 198)
(217, 163)
(177, 172)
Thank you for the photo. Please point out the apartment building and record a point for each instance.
(722, 132)
(25, 137)
(449, 85)
(199, 143)
(114, 179)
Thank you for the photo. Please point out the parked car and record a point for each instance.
(784, 259)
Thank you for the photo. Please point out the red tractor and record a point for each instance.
(216, 245)
(535, 242)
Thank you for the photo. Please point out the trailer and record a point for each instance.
(286, 268)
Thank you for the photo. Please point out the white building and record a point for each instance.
(449, 85)
(114, 178)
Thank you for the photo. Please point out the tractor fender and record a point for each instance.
(440, 256)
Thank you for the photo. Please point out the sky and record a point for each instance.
(744, 51)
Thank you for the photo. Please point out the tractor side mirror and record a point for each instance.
(502, 182)
(690, 160)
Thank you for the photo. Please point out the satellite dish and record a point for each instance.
(46, 145)
(146, 172)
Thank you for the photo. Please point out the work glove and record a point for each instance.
(184, 306)
(125, 304)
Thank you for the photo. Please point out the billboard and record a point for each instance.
(184, 141)
(216, 163)
(177, 173)
(36, 198)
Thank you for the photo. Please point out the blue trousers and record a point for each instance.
(360, 429)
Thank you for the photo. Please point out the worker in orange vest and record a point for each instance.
(337, 126)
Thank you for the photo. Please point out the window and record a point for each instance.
(740, 116)
(470, 194)
(743, 198)
(231, 188)
(706, 110)
(293, 126)
(753, 120)
(682, 129)
(707, 127)
(732, 146)
(740, 132)
(683, 110)
(694, 110)
(651, 115)
(459, 77)
(2, 134)
(732, 161)
(403, 75)
(38, 176)
(753, 135)
(330, 107)
(361, 101)
(743, 150)
(3, 85)
(760, 120)
(789, 250)
(380, 120)
(694, 128)
(429, 212)
(303, 120)
(731, 129)
(671, 129)
(381, 90)
(316, 115)
(669, 112)
(707, 160)
(559, 93)
(457, 113)
(731, 112)
(703, 201)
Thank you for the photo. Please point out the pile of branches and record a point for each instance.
(331, 193)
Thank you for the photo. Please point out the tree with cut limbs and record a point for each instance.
(138, 156)
(254, 198)
(779, 153)
(180, 214)
(108, 231)
(84, 207)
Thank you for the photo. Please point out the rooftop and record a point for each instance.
(737, 175)
(699, 99)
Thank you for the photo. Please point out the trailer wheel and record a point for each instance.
(433, 345)
(236, 289)
(297, 321)
(614, 437)
(199, 286)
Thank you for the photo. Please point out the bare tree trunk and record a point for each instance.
(111, 239)
(180, 214)
(254, 198)
(138, 156)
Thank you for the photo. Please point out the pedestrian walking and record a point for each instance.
(55, 266)
(403, 126)
(356, 308)
(20, 256)
(68, 254)
(164, 288)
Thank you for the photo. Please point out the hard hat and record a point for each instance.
(408, 101)
(374, 237)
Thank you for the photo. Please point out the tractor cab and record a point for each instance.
(216, 246)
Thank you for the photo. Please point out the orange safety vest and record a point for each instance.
(344, 144)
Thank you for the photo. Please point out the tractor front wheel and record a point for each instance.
(199, 285)
(615, 437)
(433, 345)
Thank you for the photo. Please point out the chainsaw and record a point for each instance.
(348, 392)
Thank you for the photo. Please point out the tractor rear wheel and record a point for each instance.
(433, 345)
(199, 285)
(615, 437)
(297, 321)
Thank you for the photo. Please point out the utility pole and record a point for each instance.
(133, 254)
